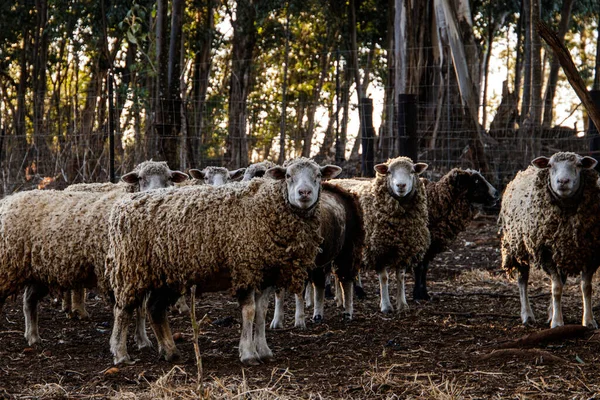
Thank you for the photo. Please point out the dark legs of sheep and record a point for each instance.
(247, 347)
(318, 278)
(420, 274)
(118, 338)
(586, 291)
(78, 304)
(33, 294)
(158, 302)
(527, 316)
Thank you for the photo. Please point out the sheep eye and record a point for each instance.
(287, 176)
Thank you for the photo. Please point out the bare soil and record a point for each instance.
(443, 348)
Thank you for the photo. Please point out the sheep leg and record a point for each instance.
(339, 298)
(158, 303)
(308, 295)
(557, 288)
(319, 291)
(420, 288)
(328, 287)
(33, 294)
(141, 337)
(66, 302)
(260, 339)
(247, 348)
(401, 303)
(347, 292)
(586, 291)
(386, 305)
(526, 312)
(299, 318)
(78, 304)
(358, 288)
(118, 338)
(277, 322)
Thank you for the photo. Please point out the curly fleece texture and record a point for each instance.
(254, 168)
(538, 231)
(101, 187)
(245, 234)
(450, 211)
(396, 232)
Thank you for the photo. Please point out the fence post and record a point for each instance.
(593, 130)
(368, 136)
(408, 144)
(111, 129)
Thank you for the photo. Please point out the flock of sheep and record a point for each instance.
(148, 240)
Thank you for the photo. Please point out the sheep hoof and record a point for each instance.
(592, 324)
(33, 340)
(251, 360)
(300, 325)
(347, 316)
(125, 360)
(318, 319)
(421, 295)
(530, 321)
(266, 355)
(174, 356)
(276, 325)
(81, 315)
(144, 344)
(387, 310)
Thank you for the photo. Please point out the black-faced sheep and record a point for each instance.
(451, 204)
(550, 219)
(395, 213)
(245, 237)
(58, 239)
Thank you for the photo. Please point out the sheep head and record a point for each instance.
(401, 175)
(478, 190)
(303, 178)
(257, 170)
(153, 175)
(217, 176)
(564, 172)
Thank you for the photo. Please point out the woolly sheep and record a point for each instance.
(58, 239)
(394, 206)
(257, 170)
(550, 219)
(217, 176)
(451, 205)
(244, 236)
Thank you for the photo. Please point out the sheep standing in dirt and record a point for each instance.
(451, 204)
(246, 237)
(58, 239)
(550, 219)
(395, 213)
(217, 176)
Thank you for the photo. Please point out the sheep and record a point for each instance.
(58, 239)
(451, 204)
(395, 213)
(342, 229)
(257, 170)
(245, 236)
(216, 176)
(550, 219)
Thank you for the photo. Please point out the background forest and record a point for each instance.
(230, 82)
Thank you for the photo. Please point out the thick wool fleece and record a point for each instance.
(56, 238)
(256, 167)
(450, 211)
(101, 187)
(239, 236)
(396, 231)
(538, 230)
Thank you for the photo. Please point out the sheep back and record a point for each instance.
(243, 233)
(102, 187)
(395, 232)
(538, 229)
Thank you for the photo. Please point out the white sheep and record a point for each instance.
(245, 237)
(217, 176)
(550, 219)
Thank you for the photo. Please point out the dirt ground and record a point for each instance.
(437, 349)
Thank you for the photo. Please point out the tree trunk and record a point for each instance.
(171, 144)
(244, 41)
(536, 67)
(40, 52)
(565, 18)
(525, 103)
(20, 132)
(161, 107)
(519, 55)
(597, 66)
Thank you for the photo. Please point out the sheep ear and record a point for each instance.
(330, 171)
(541, 162)
(419, 168)
(196, 173)
(276, 173)
(237, 174)
(131, 178)
(381, 169)
(588, 162)
(178, 176)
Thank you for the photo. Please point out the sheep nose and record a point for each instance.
(401, 186)
(304, 193)
(564, 181)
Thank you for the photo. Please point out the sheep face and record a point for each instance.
(401, 176)
(153, 175)
(257, 170)
(303, 180)
(217, 176)
(479, 190)
(565, 172)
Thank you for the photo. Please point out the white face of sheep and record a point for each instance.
(401, 176)
(157, 178)
(217, 176)
(303, 181)
(565, 175)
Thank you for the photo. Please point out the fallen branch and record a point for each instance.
(539, 356)
(196, 330)
(488, 294)
(474, 315)
(558, 334)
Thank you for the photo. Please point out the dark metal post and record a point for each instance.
(407, 126)
(368, 137)
(593, 130)
(111, 129)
